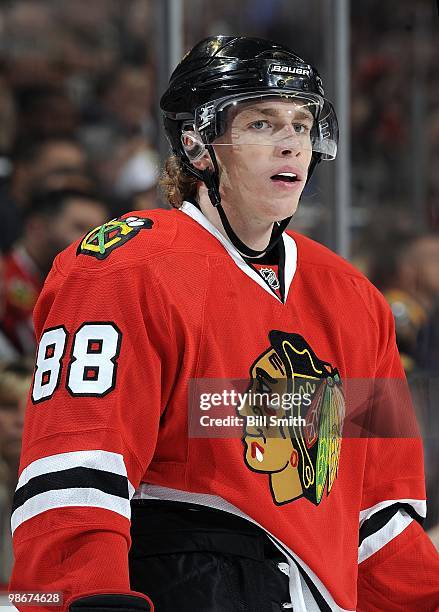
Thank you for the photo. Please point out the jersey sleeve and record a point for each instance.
(90, 430)
(398, 565)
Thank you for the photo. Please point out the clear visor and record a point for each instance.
(290, 120)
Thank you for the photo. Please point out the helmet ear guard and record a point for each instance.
(192, 144)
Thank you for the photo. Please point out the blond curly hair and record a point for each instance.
(176, 184)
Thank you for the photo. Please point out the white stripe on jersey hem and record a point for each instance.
(419, 506)
(105, 461)
(62, 498)
(300, 595)
(290, 251)
(373, 543)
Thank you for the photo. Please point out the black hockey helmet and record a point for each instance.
(224, 70)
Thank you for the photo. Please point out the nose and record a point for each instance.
(289, 142)
(289, 151)
(289, 146)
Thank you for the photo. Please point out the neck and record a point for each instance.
(251, 231)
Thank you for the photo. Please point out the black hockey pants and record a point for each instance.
(188, 558)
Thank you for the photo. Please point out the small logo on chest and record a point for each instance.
(269, 275)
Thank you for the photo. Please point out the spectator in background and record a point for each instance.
(7, 350)
(407, 272)
(126, 101)
(8, 122)
(426, 391)
(46, 111)
(29, 41)
(35, 163)
(119, 135)
(15, 378)
(53, 220)
(35, 160)
(137, 179)
(427, 349)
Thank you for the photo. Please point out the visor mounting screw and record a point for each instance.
(305, 86)
(281, 83)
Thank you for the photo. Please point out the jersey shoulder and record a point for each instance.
(136, 237)
(315, 257)
(126, 241)
(313, 254)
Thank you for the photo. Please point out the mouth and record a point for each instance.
(285, 177)
(257, 451)
(286, 181)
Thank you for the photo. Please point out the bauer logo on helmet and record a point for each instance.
(289, 70)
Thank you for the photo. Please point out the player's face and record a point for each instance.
(264, 157)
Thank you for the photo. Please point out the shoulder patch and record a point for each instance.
(102, 240)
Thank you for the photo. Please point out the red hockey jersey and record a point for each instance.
(140, 325)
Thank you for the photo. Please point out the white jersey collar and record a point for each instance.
(289, 243)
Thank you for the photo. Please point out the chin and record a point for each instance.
(281, 209)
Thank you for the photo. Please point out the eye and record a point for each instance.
(259, 124)
(301, 128)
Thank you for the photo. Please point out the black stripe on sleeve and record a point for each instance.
(78, 477)
(379, 519)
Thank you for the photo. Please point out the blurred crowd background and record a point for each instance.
(79, 144)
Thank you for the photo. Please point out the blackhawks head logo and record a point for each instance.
(296, 435)
(101, 241)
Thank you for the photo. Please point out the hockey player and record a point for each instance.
(154, 315)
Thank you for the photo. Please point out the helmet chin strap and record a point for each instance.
(211, 179)
(276, 234)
